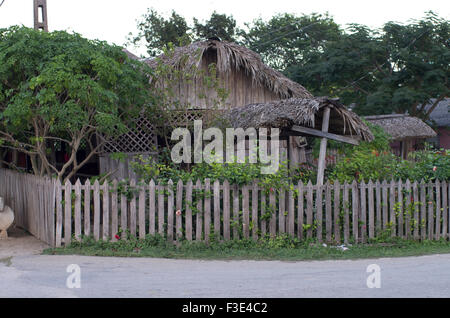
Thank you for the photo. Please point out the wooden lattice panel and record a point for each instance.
(141, 138)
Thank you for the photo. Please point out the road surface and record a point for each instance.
(26, 273)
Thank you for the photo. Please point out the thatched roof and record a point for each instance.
(401, 126)
(229, 56)
(130, 55)
(286, 113)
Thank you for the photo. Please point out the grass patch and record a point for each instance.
(280, 248)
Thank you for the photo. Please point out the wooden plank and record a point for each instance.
(437, 230)
(281, 211)
(170, 211)
(67, 213)
(400, 209)
(207, 209)
(141, 212)
(87, 208)
(430, 211)
(319, 213)
(59, 216)
(355, 211)
(363, 215)
(199, 214)
(114, 211)
(317, 133)
(96, 210)
(323, 146)
(226, 210)
(133, 223)
(392, 218)
(444, 210)
(235, 211)
(385, 204)
(346, 206)
(291, 214)
(416, 222)
(336, 211)
(263, 213)
(328, 216)
(300, 210)
(309, 209)
(179, 210)
(216, 189)
(255, 221)
(245, 211)
(448, 213)
(409, 206)
(152, 207)
(273, 218)
(161, 220)
(78, 210)
(378, 217)
(188, 219)
(423, 211)
(106, 212)
(123, 213)
(371, 209)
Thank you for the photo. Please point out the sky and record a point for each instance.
(113, 20)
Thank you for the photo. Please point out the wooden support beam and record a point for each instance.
(323, 147)
(323, 134)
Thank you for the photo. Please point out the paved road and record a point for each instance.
(45, 276)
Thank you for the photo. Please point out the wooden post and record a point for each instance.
(40, 20)
(323, 147)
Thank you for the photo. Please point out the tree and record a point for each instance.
(393, 70)
(158, 32)
(287, 40)
(218, 25)
(61, 90)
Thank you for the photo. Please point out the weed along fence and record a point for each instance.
(199, 211)
(206, 210)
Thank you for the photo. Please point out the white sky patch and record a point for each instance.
(112, 20)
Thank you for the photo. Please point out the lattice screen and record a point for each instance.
(142, 138)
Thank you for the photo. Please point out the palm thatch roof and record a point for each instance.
(286, 113)
(229, 56)
(401, 126)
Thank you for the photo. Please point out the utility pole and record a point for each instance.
(40, 15)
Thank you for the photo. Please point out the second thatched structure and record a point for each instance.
(321, 117)
(407, 133)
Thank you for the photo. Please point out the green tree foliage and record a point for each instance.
(218, 25)
(396, 69)
(158, 31)
(288, 40)
(61, 90)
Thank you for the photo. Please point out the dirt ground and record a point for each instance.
(20, 243)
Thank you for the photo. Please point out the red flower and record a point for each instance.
(117, 236)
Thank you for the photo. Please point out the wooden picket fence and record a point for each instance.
(334, 213)
(32, 199)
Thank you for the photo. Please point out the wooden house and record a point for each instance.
(407, 133)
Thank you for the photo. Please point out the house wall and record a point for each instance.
(444, 137)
